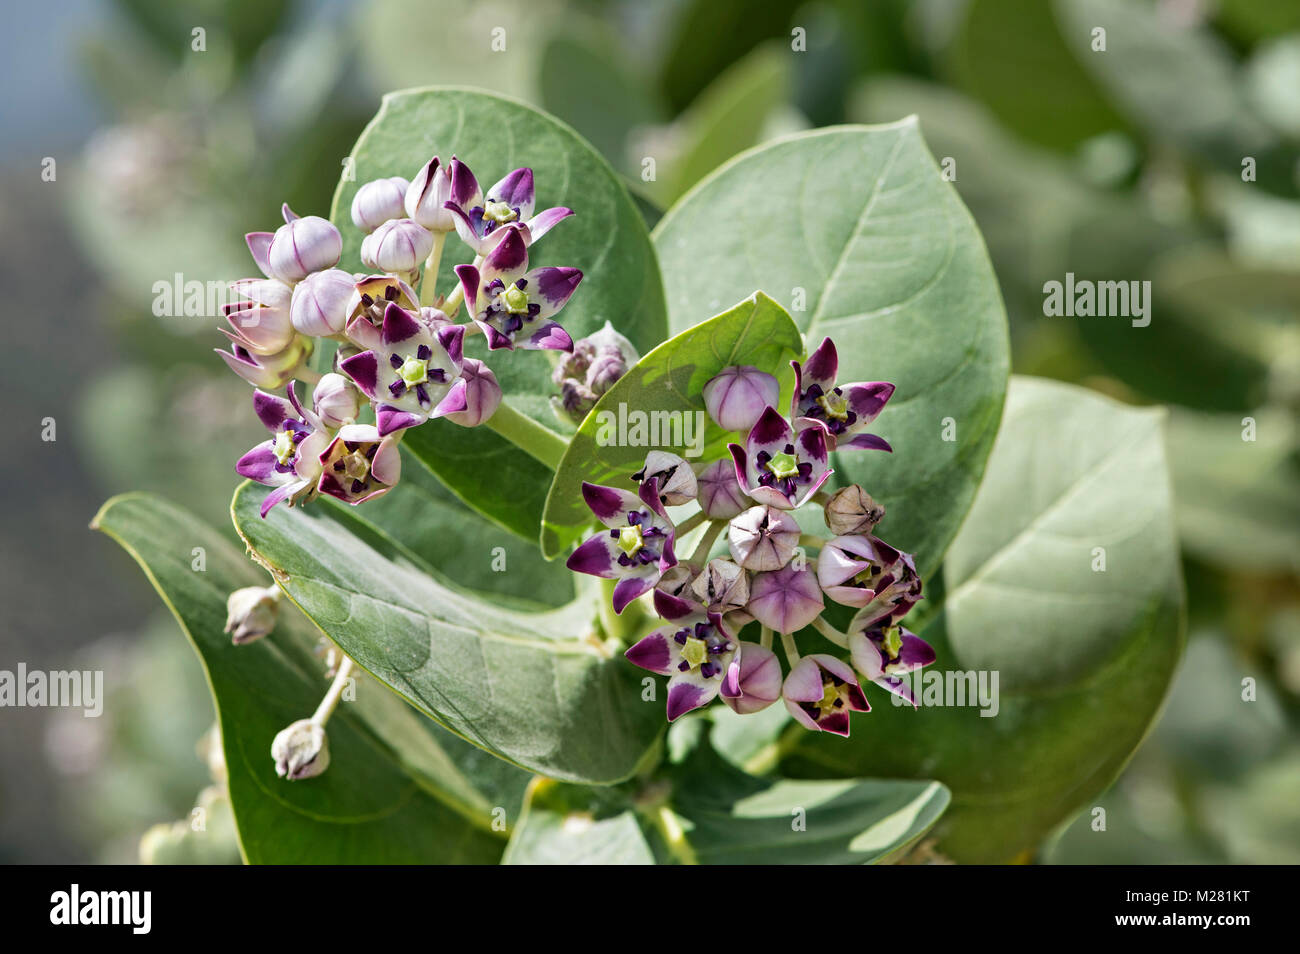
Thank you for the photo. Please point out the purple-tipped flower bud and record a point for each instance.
(321, 302)
(302, 246)
(763, 538)
(722, 588)
(378, 201)
(301, 751)
(482, 394)
(787, 599)
(591, 369)
(251, 613)
(720, 495)
(336, 401)
(852, 510)
(760, 680)
(433, 187)
(399, 245)
(737, 396)
(676, 479)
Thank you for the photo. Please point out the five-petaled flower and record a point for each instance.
(359, 464)
(821, 691)
(507, 206)
(779, 466)
(290, 460)
(413, 374)
(867, 573)
(697, 653)
(841, 411)
(512, 305)
(636, 548)
(883, 653)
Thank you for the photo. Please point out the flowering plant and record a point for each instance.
(767, 452)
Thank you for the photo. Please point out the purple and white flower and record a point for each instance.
(269, 371)
(290, 460)
(821, 691)
(436, 190)
(759, 679)
(697, 653)
(482, 394)
(787, 599)
(677, 484)
(260, 318)
(360, 464)
(413, 375)
(867, 573)
(841, 411)
(636, 548)
(370, 298)
(514, 306)
(779, 466)
(884, 653)
(507, 206)
(336, 401)
(737, 396)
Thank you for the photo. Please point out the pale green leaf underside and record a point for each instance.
(537, 689)
(398, 790)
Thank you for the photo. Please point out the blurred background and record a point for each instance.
(137, 148)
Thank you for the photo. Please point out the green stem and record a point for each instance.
(765, 637)
(831, 633)
(326, 707)
(532, 438)
(690, 523)
(791, 650)
(429, 281)
(670, 829)
(810, 541)
(706, 542)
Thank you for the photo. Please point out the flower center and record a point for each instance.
(413, 371)
(833, 695)
(515, 299)
(498, 211)
(630, 540)
(783, 465)
(868, 576)
(285, 446)
(695, 651)
(356, 466)
(834, 405)
(892, 641)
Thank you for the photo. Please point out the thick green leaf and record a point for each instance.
(535, 688)
(669, 379)
(856, 230)
(1084, 657)
(606, 238)
(396, 791)
(717, 814)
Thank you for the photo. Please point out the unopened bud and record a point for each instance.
(736, 397)
(251, 613)
(852, 510)
(301, 751)
(763, 538)
(723, 587)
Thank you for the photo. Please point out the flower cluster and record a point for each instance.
(765, 576)
(400, 358)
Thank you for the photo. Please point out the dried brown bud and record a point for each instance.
(723, 587)
(852, 510)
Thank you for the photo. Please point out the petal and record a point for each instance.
(517, 191)
(823, 365)
(865, 442)
(271, 409)
(470, 282)
(400, 325)
(596, 557)
(275, 496)
(544, 221)
(630, 587)
(392, 419)
(655, 653)
(259, 465)
(770, 430)
(760, 679)
(464, 187)
(363, 368)
(452, 339)
(508, 260)
(683, 696)
(867, 399)
(454, 401)
(387, 465)
(671, 607)
(898, 687)
(548, 337)
(610, 505)
(552, 286)
(259, 245)
(804, 683)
